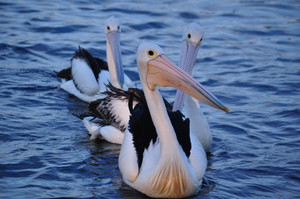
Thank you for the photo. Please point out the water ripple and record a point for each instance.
(149, 25)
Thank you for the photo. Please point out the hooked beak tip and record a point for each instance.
(226, 109)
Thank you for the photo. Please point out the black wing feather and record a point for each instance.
(65, 74)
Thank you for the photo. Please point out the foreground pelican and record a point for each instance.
(87, 77)
(188, 105)
(159, 156)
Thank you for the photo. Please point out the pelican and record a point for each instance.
(191, 108)
(159, 156)
(87, 77)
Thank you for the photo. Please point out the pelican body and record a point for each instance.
(87, 76)
(163, 160)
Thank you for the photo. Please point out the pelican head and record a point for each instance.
(193, 33)
(192, 38)
(113, 30)
(156, 69)
(112, 25)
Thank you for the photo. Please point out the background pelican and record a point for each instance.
(160, 157)
(191, 108)
(87, 76)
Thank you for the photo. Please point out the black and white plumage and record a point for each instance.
(140, 121)
(169, 161)
(108, 117)
(87, 76)
(96, 64)
(106, 108)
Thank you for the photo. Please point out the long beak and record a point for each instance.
(162, 72)
(188, 55)
(189, 52)
(114, 41)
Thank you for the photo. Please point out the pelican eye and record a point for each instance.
(201, 39)
(118, 27)
(108, 28)
(151, 53)
(189, 36)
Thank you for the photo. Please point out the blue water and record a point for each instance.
(250, 58)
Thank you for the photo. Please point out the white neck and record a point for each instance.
(161, 121)
(111, 65)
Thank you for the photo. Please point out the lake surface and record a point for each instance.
(250, 59)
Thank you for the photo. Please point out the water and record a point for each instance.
(249, 58)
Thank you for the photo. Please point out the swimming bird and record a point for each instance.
(191, 107)
(87, 76)
(159, 156)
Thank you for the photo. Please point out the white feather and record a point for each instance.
(92, 127)
(70, 87)
(111, 134)
(128, 159)
(84, 77)
(151, 156)
(108, 133)
(198, 123)
(120, 108)
(197, 157)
